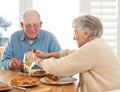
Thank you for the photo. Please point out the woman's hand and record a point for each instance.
(41, 54)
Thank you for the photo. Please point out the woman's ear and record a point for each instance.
(86, 33)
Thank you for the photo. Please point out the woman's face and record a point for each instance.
(31, 26)
(81, 36)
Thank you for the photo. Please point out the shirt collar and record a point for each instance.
(23, 37)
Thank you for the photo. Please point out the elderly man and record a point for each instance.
(31, 37)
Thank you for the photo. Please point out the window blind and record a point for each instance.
(106, 10)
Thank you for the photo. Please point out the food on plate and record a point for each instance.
(34, 72)
(25, 71)
(51, 78)
(38, 72)
(34, 50)
(25, 81)
(4, 86)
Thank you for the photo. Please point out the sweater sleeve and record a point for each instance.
(65, 52)
(79, 61)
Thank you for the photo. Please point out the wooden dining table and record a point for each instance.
(7, 75)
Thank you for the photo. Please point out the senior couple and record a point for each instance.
(94, 60)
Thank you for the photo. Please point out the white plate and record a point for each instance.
(62, 81)
(28, 85)
(4, 84)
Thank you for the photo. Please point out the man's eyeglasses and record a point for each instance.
(31, 25)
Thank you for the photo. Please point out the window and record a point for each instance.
(107, 11)
(9, 11)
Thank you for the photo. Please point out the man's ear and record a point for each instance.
(41, 24)
(87, 33)
(21, 23)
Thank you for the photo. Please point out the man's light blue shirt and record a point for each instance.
(18, 45)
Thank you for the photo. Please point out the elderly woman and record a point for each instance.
(95, 60)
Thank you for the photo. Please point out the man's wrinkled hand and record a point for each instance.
(15, 63)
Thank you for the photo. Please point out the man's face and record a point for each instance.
(31, 26)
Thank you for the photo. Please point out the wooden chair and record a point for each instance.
(1, 51)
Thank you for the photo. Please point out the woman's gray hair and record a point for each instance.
(91, 22)
(28, 11)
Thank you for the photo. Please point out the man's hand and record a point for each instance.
(15, 63)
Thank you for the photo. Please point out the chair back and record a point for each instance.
(1, 51)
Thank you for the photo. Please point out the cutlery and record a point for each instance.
(21, 88)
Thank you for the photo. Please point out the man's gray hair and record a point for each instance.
(28, 11)
(91, 22)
